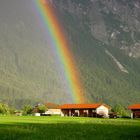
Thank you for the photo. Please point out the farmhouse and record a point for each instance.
(53, 109)
(135, 110)
(85, 110)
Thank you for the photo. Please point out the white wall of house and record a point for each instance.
(131, 115)
(53, 111)
(62, 114)
(102, 110)
(37, 114)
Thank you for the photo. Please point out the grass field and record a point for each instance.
(67, 128)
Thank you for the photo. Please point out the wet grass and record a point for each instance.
(67, 128)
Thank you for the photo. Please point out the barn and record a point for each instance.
(135, 110)
(85, 110)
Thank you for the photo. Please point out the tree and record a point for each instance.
(27, 109)
(120, 110)
(42, 108)
(4, 108)
(12, 110)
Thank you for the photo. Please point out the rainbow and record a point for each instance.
(59, 42)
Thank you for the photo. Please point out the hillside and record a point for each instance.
(104, 37)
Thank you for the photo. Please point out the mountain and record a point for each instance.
(104, 37)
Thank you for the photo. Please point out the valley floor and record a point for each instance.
(67, 128)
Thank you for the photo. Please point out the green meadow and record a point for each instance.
(67, 128)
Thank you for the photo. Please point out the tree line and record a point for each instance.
(5, 109)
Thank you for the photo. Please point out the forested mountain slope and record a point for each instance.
(104, 37)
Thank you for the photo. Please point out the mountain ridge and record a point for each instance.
(28, 66)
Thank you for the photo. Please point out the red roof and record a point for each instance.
(82, 106)
(134, 106)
